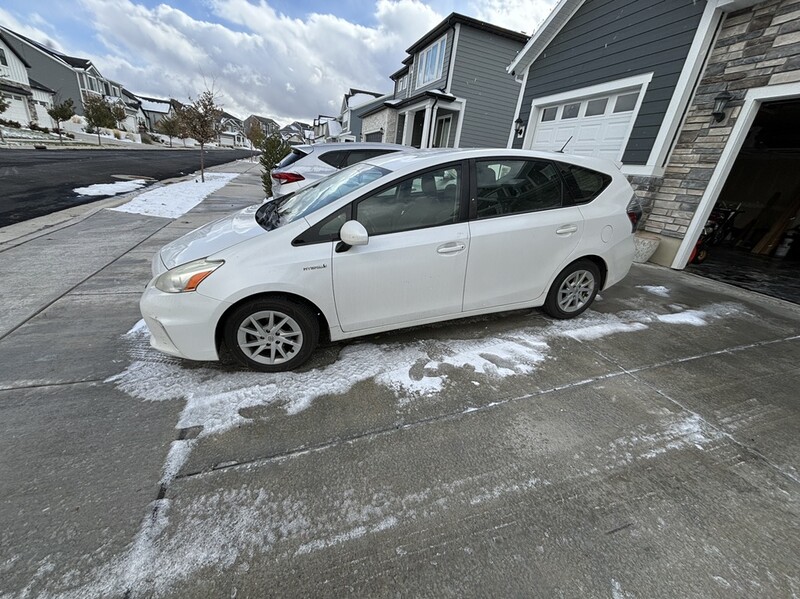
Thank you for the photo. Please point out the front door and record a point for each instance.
(414, 265)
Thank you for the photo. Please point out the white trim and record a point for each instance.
(685, 87)
(418, 56)
(512, 133)
(461, 110)
(609, 87)
(426, 128)
(451, 64)
(752, 103)
(442, 119)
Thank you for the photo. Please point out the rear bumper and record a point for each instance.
(619, 261)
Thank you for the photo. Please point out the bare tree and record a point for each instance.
(200, 119)
(170, 126)
(60, 112)
(118, 112)
(97, 113)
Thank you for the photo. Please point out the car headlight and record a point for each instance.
(186, 277)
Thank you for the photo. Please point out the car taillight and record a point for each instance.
(634, 214)
(287, 177)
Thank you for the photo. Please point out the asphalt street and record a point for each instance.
(648, 448)
(36, 182)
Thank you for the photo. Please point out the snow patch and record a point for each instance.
(602, 330)
(111, 189)
(172, 201)
(658, 290)
(179, 452)
(695, 318)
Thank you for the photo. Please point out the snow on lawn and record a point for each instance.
(171, 201)
(111, 189)
(412, 370)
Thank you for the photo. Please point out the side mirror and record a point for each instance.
(353, 233)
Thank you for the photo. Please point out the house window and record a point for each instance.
(549, 114)
(442, 136)
(626, 103)
(402, 83)
(3, 60)
(596, 107)
(570, 111)
(431, 62)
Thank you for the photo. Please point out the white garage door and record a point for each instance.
(17, 110)
(598, 126)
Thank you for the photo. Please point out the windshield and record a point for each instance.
(302, 203)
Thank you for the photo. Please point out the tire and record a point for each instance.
(700, 256)
(271, 334)
(573, 290)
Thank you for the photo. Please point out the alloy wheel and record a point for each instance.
(270, 337)
(576, 291)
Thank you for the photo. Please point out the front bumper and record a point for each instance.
(182, 324)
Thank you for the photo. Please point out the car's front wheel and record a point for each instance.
(573, 290)
(271, 334)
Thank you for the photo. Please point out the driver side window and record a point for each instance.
(423, 200)
(507, 187)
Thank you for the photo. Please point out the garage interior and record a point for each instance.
(752, 238)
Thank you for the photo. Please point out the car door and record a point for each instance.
(521, 231)
(414, 265)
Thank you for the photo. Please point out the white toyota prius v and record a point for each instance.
(396, 241)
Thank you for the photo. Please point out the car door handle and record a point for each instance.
(451, 248)
(566, 229)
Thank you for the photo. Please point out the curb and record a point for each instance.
(19, 233)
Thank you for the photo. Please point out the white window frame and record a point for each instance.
(619, 86)
(402, 83)
(442, 119)
(422, 63)
(3, 58)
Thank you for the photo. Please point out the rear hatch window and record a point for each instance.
(291, 158)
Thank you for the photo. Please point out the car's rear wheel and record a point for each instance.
(271, 334)
(573, 290)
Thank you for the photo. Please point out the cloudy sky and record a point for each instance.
(286, 59)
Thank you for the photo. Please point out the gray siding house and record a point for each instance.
(67, 76)
(698, 101)
(453, 90)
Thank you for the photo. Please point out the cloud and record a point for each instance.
(11, 22)
(517, 15)
(259, 60)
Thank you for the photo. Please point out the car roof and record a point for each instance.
(415, 158)
(346, 145)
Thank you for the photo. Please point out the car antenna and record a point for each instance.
(561, 151)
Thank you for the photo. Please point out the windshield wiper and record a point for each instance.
(267, 216)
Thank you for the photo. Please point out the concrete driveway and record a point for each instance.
(647, 449)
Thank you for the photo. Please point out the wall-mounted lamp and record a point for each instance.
(720, 104)
(519, 127)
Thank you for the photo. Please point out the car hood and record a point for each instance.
(212, 238)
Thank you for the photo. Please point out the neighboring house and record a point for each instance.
(133, 110)
(453, 90)
(637, 81)
(267, 125)
(326, 128)
(68, 76)
(154, 110)
(28, 100)
(230, 131)
(354, 103)
(297, 133)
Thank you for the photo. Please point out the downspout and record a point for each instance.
(432, 126)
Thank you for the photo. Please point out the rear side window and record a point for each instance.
(583, 184)
(507, 186)
(290, 159)
(359, 155)
(334, 158)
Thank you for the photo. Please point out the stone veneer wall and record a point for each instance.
(756, 47)
(386, 118)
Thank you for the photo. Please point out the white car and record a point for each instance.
(398, 241)
(307, 164)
